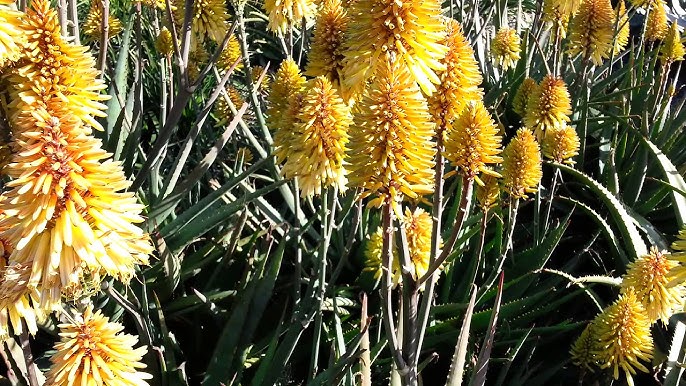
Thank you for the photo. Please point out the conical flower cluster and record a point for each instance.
(284, 14)
(592, 30)
(418, 224)
(488, 194)
(94, 351)
(459, 83)
(391, 151)
(522, 164)
(657, 25)
(649, 278)
(209, 19)
(164, 42)
(222, 109)
(521, 98)
(411, 30)
(472, 144)
(373, 254)
(505, 48)
(11, 34)
(585, 348)
(93, 25)
(561, 144)
(549, 106)
(318, 140)
(230, 54)
(672, 48)
(288, 84)
(326, 54)
(622, 38)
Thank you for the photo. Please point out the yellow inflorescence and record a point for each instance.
(326, 54)
(657, 25)
(391, 151)
(488, 193)
(222, 109)
(286, 91)
(284, 14)
(521, 98)
(505, 48)
(209, 19)
(230, 55)
(585, 348)
(93, 25)
(373, 254)
(11, 34)
(549, 106)
(165, 42)
(522, 164)
(672, 48)
(418, 226)
(591, 31)
(561, 144)
(622, 38)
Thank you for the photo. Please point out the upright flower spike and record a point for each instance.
(522, 164)
(418, 226)
(622, 38)
(222, 109)
(372, 254)
(649, 278)
(623, 331)
(230, 54)
(11, 33)
(321, 131)
(657, 25)
(521, 98)
(472, 144)
(549, 106)
(411, 30)
(554, 12)
(326, 53)
(488, 194)
(561, 144)
(286, 13)
(592, 31)
(505, 48)
(209, 19)
(391, 152)
(165, 42)
(672, 49)
(286, 90)
(459, 83)
(94, 351)
(584, 350)
(93, 25)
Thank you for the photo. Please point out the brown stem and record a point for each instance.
(28, 356)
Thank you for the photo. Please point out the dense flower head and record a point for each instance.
(11, 33)
(319, 138)
(93, 25)
(472, 143)
(549, 106)
(555, 12)
(326, 53)
(459, 82)
(584, 350)
(418, 225)
(411, 30)
(222, 110)
(209, 19)
(592, 31)
(94, 351)
(19, 304)
(285, 95)
(505, 47)
(563, 8)
(197, 59)
(284, 14)
(624, 340)
(657, 25)
(561, 144)
(649, 278)
(230, 54)
(391, 148)
(521, 98)
(165, 42)
(623, 31)
(488, 193)
(522, 164)
(672, 48)
(255, 73)
(373, 253)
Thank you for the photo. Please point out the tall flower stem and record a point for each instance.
(410, 302)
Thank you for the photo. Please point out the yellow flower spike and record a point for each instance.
(506, 47)
(93, 25)
(93, 351)
(391, 150)
(230, 54)
(459, 83)
(591, 31)
(672, 49)
(326, 53)
(222, 109)
(286, 13)
(418, 225)
(321, 132)
(266, 81)
(522, 165)
(472, 144)
(649, 278)
(12, 35)
(411, 30)
(165, 42)
(373, 252)
(549, 106)
(622, 38)
(18, 302)
(584, 350)
(210, 19)
(657, 25)
(561, 144)
(555, 12)
(284, 100)
(198, 57)
(488, 194)
(624, 339)
(521, 98)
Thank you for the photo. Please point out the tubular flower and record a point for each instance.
(209, 19)
(391, 152)
(592, 30)
(584, 349)
(165, 42)
(11, 33)
(411, 30)
(93, 25)
(505, 48)
(623, 30)
(565, 8)
(18, 302)
(222, 109)
(321, 132)
(549, 106)
(554, 12)
(373, 253)
(521, 98)
(459, 83)
(418, 226)
(561, 144)
(672, 49)
(522, 164)
(473, 143)
(230, 54)
(286, 91)
(657, 26)
(94, 351)
(649, 278)
(286, 13)
(488, 194)
(624, 339)
(326, 54)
